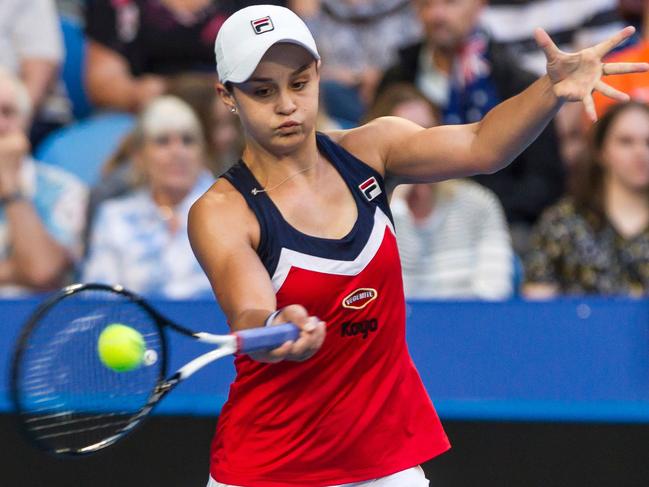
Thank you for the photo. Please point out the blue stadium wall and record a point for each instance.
(531, 394)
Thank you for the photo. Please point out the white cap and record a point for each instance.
(246, 35)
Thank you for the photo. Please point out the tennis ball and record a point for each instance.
(120, 347)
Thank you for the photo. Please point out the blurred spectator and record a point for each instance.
(41, 207)
(358, 40)
(596, 241)
(136, 45)
(31, 47)
(461, 71)
(140, 240)
(222, 141)
(220, 126)
(452, 236)
(453, 242)
(573, 25)
(636, 85)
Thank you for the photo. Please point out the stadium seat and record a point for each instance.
(73, 67)
(82, 148)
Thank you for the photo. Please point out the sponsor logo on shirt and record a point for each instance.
(370, 188)
(265, 24)
(360, 298)
(363, 328)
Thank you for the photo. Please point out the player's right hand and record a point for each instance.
(312, 335)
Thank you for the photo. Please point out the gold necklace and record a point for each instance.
(256, 191)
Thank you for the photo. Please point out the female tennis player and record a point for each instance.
(299, 230)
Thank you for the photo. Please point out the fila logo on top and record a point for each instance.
(262, 25)
(370, 188)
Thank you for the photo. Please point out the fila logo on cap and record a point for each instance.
(265, 24)
(370, 188)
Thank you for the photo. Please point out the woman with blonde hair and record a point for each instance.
(140, 240)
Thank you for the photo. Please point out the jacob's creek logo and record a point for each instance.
(364, 328)
(360, 298)
(262, 25)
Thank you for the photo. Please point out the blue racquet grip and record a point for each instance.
(266, 338)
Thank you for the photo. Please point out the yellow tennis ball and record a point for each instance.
(120, 347)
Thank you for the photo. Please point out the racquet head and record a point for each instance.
(67, 401)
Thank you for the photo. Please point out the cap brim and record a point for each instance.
(247, 67)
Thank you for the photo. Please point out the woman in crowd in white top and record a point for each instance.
(452, 236)
(140, 240)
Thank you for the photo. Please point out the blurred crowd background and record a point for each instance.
(110, 129)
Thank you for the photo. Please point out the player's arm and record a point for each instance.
(223, 233)
(412, 153)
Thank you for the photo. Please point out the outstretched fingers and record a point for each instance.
(544, 41)
(611, 92)
(604, 47)
(624, 68)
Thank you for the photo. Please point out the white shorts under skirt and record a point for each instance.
(413, 477)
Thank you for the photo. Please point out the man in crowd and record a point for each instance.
(461, 71)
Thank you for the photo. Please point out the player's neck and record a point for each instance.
(269, 167)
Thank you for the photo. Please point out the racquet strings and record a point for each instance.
(68, 400)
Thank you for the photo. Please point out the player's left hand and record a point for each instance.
(312, 335)
(576, 75)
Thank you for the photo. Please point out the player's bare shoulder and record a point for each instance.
(222, 213)
(373, 141)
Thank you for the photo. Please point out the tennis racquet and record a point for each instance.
(68, 402)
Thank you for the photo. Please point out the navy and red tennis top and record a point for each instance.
(357, 409)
